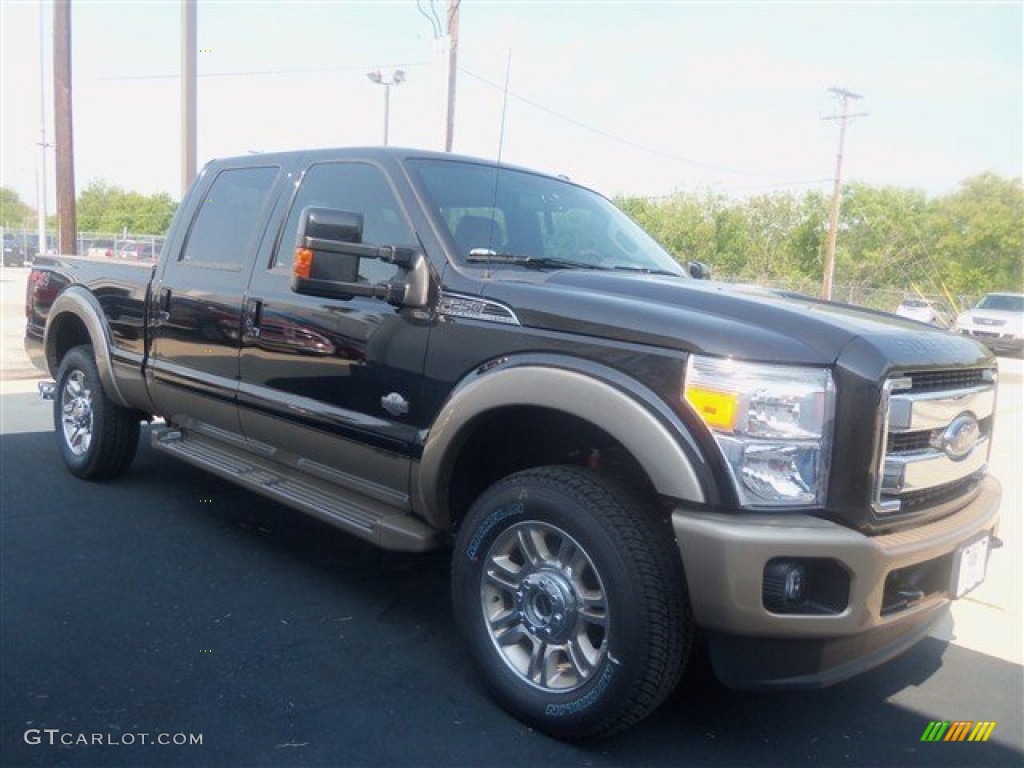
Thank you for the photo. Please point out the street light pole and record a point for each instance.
(387, 79)
(189, 100)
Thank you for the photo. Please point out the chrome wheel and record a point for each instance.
(545, 606)
(77, 413)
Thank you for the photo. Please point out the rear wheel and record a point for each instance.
(572, 601)
(97, 438)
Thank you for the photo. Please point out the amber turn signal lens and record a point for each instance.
(302, 266)
(718, 409)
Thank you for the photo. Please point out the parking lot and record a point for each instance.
(170, 605)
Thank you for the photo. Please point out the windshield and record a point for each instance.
(1007, 303)
(543, 221)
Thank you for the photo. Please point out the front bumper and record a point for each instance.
(995, 340)
(724, 557)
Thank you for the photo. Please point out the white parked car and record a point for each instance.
(997, 321)
(921, 310)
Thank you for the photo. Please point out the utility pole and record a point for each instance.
(833, 220)
(188, 94)
(453, 59)
(43, 145)
(63, 128)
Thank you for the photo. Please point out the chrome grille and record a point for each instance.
(938, 429)
(935, 381)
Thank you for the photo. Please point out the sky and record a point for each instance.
(636, 98)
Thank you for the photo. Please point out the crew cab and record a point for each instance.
(428, 350)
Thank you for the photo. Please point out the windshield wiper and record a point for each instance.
(487, 256)
(647, 270)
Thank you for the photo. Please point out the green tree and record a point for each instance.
(13, 212)
(683, 223)
(883, 241)
(890, 239)
(106, 208)
(979, 236)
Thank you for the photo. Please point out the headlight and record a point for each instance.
(772, 423)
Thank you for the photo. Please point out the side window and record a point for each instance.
(350, 186)
(229, 217)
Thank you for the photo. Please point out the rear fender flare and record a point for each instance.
(83, 305)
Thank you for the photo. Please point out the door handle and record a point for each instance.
(252, 317)
(164, 305)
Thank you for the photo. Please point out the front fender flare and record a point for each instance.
(608, 407)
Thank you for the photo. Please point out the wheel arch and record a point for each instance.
(76, 318)
(584, 400)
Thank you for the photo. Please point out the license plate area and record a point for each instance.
(970, 563)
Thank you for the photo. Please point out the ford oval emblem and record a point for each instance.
(961, 436)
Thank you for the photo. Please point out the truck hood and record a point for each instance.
(743, 321)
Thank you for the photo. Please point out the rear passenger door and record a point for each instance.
(332, 386)
(197, 300)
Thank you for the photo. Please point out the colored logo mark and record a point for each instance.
(958, 730)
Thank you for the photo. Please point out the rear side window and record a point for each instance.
(359, 188)
(223, 231)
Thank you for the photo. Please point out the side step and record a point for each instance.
(378, 523)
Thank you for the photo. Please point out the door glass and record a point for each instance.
(358, 188)
(228, 219)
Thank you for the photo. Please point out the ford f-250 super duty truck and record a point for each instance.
(429, 350)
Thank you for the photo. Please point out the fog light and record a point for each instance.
(809, 586)
(785, 585)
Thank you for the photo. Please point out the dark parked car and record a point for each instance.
(14, 251)
(31, 244)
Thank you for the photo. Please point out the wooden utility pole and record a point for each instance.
(188, 94)
(43, 144)
(837, 189)
(63, 128)
(453, 59)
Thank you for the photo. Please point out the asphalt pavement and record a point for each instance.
(170, 606)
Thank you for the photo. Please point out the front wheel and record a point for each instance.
(97, 437)
(572, 601)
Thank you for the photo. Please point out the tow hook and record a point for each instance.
(47, 389)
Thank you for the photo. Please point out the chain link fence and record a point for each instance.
(24, 245)
(946, 306)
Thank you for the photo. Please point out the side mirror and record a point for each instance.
(698, 270)
(328, 249)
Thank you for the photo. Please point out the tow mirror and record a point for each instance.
(328, 250)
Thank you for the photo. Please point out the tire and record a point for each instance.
(572, 601)
(97, 438)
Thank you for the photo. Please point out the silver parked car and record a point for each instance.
(997, 321)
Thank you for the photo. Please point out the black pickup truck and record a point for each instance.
(428, 350)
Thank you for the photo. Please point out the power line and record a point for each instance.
(430, 17)
(253, 73)
(619, 139)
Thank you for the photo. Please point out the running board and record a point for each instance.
(378, 523)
